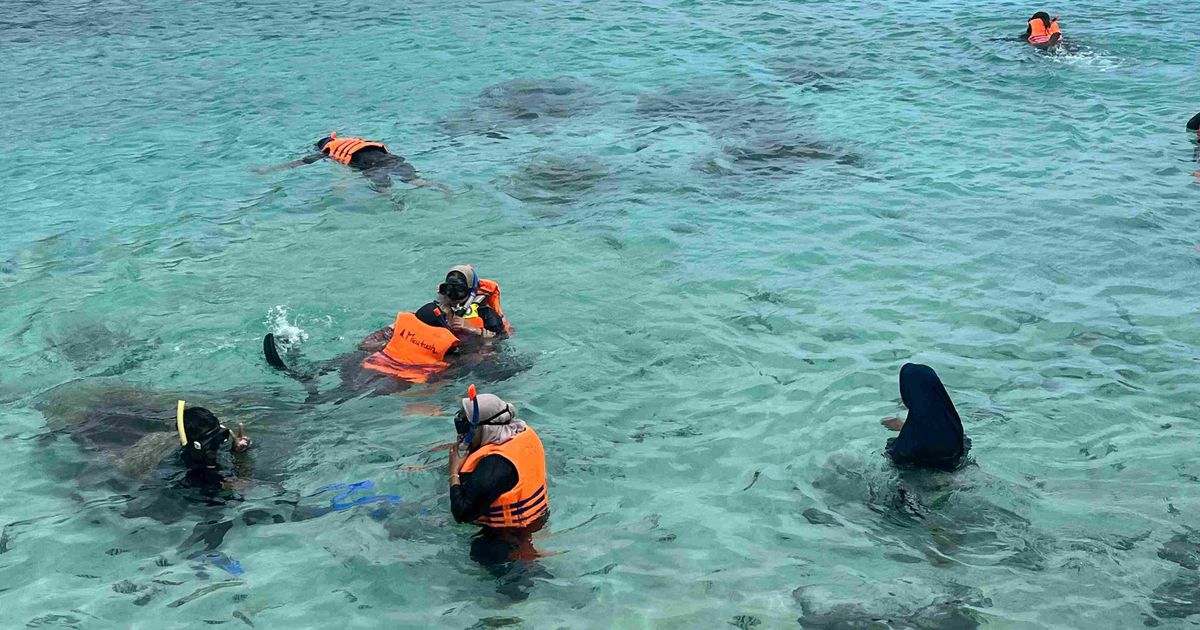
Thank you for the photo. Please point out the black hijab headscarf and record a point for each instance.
(932, 436)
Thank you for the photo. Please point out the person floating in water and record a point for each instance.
(500, 484)
(367, 156)
(932, 434)
(1043, 31)
(421, 344)
(1193, 126)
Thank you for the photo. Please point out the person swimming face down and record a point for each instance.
(1193, 126)
(932, 434)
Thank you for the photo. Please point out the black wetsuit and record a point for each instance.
(376, 163)
(493, 476)
(492, 321)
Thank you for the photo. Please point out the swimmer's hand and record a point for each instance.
(893, 423)
(240, 441)
(456, 460)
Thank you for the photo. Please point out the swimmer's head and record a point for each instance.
(203, 435)
(460, 283)
(1043, 16)
(1193, 125)
(322, 142)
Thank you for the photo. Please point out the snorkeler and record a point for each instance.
(932, 434)
(501, 483)
(472, 304)
(370, 157)
(1042, 31)
(201, 436)
(419, 345)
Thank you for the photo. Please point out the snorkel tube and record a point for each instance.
(471, 393)
(179, 424)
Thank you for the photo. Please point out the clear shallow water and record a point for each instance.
(755, 229)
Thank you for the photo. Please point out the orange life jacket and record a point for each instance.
(527, 501)
(489, 290)
(415, 352)
(1039, 34)
(342, 149)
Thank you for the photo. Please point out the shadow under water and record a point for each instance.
(556, 180)
(521, 102)
(759, 133)
(96, 349)
(955, 610)
(941, 515)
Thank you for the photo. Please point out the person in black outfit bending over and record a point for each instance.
(932, 434)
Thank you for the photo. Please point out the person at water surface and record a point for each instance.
(419, 345)
(472, 303)
(932, 434)
(201, 436)
(1042, 30)
(501, 481)
(367, 156)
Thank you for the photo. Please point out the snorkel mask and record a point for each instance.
(199, 450)
(456, 289)
(467, 428)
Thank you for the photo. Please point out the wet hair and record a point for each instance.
(322, 142)
(456, 277)
(1043, 16)
(197, 421)
(1194, 123)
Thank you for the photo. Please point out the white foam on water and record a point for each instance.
(1089, 58)
(287, 334)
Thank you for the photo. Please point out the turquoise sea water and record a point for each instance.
(721, 229)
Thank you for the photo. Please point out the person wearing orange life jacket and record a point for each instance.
(368, 156)
(501, 482)
(472, 304)
(416, 347)
(1042, 30)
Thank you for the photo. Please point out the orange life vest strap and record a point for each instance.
(1039, 33)
(343, 149)
(527, 501)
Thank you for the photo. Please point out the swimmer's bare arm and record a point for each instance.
(893, 423)
(293, 164)
(377, 340)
